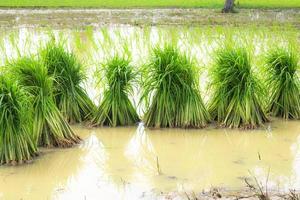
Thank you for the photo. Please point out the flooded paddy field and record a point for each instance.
(94, 45)
(80, 18)
(138, 163)
(141, 163)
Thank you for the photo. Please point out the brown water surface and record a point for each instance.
(137, 163)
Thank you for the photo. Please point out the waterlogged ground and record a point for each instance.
(80, 18)
(137, 163)
(93, 46)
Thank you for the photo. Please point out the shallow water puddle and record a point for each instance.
(134, 163)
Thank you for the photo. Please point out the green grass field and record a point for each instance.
(149, 3)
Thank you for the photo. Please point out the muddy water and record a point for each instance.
(80, 18)
(137, 163)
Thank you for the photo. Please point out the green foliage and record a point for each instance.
(170, 86)
(71, 99)
(237, 93)
(48, 123)
(152, 3)
(16, 137)
(283, 83)
(115, 108)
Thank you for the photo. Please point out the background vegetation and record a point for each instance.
(152, 3)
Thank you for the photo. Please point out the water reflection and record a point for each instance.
(123, 163)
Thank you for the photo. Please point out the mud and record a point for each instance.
(80, 18)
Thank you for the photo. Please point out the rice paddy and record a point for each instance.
(16, 136)
(153, 3)
(171, 90)
(70, 98)
(283, 83)
(48, 123)
(116, 109)
(165, 77)
(236, 101)
(175, 85)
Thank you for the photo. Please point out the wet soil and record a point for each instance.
(80, 18)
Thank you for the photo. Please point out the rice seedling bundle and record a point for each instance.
(48, 123)
(70, 97)
(283, 83)
(236, 102)
(171, 90)
(16, 136)
(116, 108)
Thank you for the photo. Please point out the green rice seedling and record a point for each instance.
(70, 97)
(170, 90)
(48, 123)
(116, 108)
(16, 137)
(236, 100)
(283, 83)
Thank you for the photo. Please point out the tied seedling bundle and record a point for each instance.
(48, 123)
(116, 109)
(70, 97)
(16, 136)
(283, 83)
(170, 90)
(236, 102)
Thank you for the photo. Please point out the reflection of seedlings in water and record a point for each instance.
(124, 182)
(269, 128)
(7, 175)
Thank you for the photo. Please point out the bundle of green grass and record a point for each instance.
(236, 102)
(70, 97)
(116, 109)
(171, 92)
(283, 83)
(16, 136)
(48, 123)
